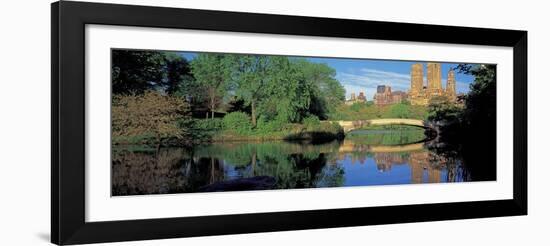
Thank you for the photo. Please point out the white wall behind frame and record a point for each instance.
(24, 128)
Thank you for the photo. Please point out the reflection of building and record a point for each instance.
(384, 161)
(359, 99)
(421, 166)
(425, 167)
(421, 95)
(384, 95)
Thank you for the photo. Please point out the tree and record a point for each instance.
(480, 102)
(178, 73)
(250, 79)
(288, 89)
(434, 101)
(134, 71)
(327, 92)
(399, 111)
(272, 86)
(212, 72)
(148, 113)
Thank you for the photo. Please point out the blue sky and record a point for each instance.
(363, 75)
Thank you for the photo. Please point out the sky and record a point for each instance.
(364, 75)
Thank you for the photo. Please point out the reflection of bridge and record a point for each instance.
(357, 124)
(350, 146)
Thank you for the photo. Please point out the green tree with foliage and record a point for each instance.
(288, 92)
(271, 86)
(480, 102)
(399, 110)
(135, 71)
(212, 71)
(250, 80)
(178, 73)
(327, 92)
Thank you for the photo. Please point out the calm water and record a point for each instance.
(364, 158)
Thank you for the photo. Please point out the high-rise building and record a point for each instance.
(420, 94)
(434, 79)
(417, 79)
(417, 94)
(450, 88)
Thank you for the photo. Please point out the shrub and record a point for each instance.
(311, 122)
(150, 113)
(357, 106)
(399, 111)
(238, 122)
(268, 126)
(215, 124)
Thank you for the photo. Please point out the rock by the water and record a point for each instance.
(241, 184)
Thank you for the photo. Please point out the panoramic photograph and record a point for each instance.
(187, 122)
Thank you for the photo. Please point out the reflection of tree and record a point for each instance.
(176, 170)
(145, 173)
(331, 176)
(291, 165)
(161, 172)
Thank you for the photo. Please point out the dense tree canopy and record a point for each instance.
(327, 92)
(480, 103)
(211, 72)
(282, 88)
(135, 71)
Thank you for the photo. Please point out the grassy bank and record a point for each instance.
(395, 137)
(216, 130)
(317, 133)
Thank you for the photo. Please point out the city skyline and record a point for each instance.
(364, 75)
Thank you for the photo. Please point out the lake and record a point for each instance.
(363, 158)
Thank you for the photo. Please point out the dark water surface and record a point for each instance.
(375, 157)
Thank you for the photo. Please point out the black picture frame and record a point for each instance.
(68, 225)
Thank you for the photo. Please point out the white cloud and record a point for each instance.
(366, 80)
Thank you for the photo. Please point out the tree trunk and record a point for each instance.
(253, 111)
(254, 163)
(212, 171)
(158, 141)
(212, 106)
(206, 114)
(157, 150)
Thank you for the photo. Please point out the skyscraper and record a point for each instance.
(450, 88)
(420, 94)
(434, 79)
(417, 79)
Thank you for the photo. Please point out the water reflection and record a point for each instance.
(278, 165)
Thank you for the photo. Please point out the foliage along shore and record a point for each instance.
(236, 127)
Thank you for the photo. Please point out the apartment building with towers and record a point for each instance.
(421, 93)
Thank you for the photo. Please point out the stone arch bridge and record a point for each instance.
(357, 124)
